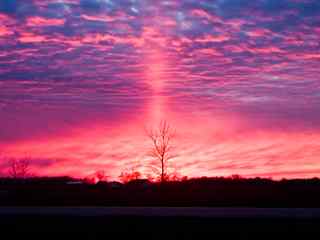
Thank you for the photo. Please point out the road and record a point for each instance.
(243, 213)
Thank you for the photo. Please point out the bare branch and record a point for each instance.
(161, 139)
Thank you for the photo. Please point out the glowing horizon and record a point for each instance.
(81, 80)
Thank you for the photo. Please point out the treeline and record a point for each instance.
(211, 192)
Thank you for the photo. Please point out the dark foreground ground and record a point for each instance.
(159, 223)
(204, 192)
(207, 208)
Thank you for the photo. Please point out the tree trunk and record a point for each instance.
(162, 170)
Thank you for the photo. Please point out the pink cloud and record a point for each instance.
(167, 22)
(205, 15)
(265, 50)
(5, 31)
(213, 38)
(28, 37)
(107, 18)
(209, 51)
(43, 22)
(311, 56)
(152, 34)
(256, 50)
(104, 18)
(260, 32)
(293, 40)
(234, 48)
(236, 24)
(98, 38)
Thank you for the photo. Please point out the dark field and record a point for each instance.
(204, 192)
(207, 208)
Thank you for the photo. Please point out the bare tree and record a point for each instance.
(162, 146)
(19, 168)
(101, 175)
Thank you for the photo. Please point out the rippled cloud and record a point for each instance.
(69, 65)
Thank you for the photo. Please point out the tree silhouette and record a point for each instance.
(161, 138)
(100, 175)
(97, 176)
(126, 177)
(19, 168)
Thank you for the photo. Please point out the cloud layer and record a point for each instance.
(239, 70)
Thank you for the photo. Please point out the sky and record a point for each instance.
(237, 80)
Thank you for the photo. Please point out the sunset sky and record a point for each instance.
(238, 80)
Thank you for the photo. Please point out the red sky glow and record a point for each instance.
(238, 80)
